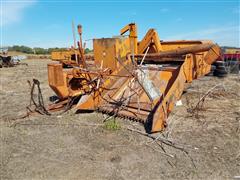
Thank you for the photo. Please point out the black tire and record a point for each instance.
(220, 73)
(221, 68)
(213, 67)
(219, 63)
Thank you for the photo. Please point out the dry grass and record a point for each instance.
(77, 146)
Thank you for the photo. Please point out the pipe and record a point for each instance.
(163, 56)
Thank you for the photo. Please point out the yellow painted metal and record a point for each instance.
(57, 80)
(170, 45)
(232, 50)
(63, 55)
(66, 56)
(118, 85)
(151, 40)
(133, 39)
(108, 50)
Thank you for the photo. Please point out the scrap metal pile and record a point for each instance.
(9, 61)
(5, 59)
(137, 80)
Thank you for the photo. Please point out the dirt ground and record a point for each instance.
(77, 146)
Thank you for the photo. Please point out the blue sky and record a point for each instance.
(47, 23)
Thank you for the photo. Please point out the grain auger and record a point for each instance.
(136, 80)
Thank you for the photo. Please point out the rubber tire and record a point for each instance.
(222, 68)
(220, 73)
(213, 68)
(219, 63)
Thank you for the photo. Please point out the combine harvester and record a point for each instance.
(136, 80)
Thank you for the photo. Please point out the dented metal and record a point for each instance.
(123, 84)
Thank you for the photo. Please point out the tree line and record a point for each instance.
(38, 50)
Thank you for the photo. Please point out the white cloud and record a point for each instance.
(13, 11)
(225, 35)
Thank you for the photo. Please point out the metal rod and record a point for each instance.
(75, 44)
(144, 56)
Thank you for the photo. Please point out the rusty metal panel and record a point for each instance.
(120, 85)
(63, 55)
(57, 80)
(170, 45)
(106, 50)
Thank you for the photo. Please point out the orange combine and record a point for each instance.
(137, 80)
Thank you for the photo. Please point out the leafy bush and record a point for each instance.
(87, 50)
(38, 50)
(23, 49)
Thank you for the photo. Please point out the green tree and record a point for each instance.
(39, 50)
(23, 49)
(87, 50)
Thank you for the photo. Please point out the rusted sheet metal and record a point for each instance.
(179, 52)
(119, 85)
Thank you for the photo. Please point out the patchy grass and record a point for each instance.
(112, 124)
(74, 146)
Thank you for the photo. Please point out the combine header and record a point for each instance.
(137, 80)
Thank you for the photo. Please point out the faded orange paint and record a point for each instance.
(120, 85)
